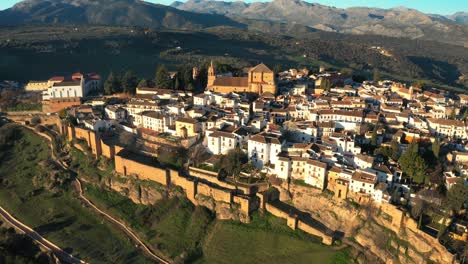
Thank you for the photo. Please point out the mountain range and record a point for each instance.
(278, 16)
(395, 22)
(109, 12)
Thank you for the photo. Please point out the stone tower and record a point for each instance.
(211, 75)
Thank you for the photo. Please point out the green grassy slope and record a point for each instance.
(56, 213)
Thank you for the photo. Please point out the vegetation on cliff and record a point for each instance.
(39, 194)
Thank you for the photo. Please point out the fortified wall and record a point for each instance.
(196, 185)
(269, 201)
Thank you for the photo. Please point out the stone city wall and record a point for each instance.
(218, 190)
(92, 138)
(213, 177)
(130, 167)
(326, 239)
(220, 195)
(247, 204)
(188, 185)
(108, 151)
(276, 211)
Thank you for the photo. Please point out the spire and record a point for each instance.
(211, 70)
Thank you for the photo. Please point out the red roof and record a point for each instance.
(57, 79)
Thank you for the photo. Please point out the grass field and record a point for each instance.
(57, 215)
(179, 228)
(266, 240)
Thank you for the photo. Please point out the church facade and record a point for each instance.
(260, 80)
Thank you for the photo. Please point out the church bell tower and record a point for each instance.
(211, 75)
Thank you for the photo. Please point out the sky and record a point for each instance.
(444, 7)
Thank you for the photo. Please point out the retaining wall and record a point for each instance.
(199, 182)
(130, 167)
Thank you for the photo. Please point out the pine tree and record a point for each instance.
(129, 82)
(374, 137)
(178, 83)
(112, 84)
(412, 164)
(163, 79)
(143, 83)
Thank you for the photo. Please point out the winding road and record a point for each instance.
(64, 256)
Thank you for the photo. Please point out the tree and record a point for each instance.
(395, 149)
(465, 115)
(412, 164)
(143, 83)
(187, 75)
(418, 209)
(177, 83)
(436, 175)
(457, 195)
(175, 157)
(233, 161)
(376, 77)
(35, 120)
(419, 84)
(163, 79)
(374, 137)
(436, 148)
(359, 78)
(325, 84)
(197, 154)
(129, 82)
(112, 84)
(277, 68)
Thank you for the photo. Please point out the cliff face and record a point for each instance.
(224, 211)
(138, 193)
(149, 194)
(369, 226)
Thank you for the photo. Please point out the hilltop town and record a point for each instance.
(314, 147)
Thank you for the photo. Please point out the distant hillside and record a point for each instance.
(101, 49)
(396, 22)
(108, 12)
(459, 17)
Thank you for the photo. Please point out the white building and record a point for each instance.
(448, 127)
(263, 149)
(155, 121)
(78, 86)
(363, 161)
(316, 173)
(219, 142)
(115, 112)
(363, 182)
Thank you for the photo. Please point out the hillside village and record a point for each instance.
(248, 141)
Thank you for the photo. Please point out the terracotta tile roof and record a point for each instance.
(261, 68)
(187, 120)
(366, 177)
(231, 81)
(317, 163)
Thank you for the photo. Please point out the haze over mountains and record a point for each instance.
(396, 22)
(281, 16)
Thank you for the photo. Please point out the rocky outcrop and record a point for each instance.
(224, 211)
(137, 192)
(368, 227)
